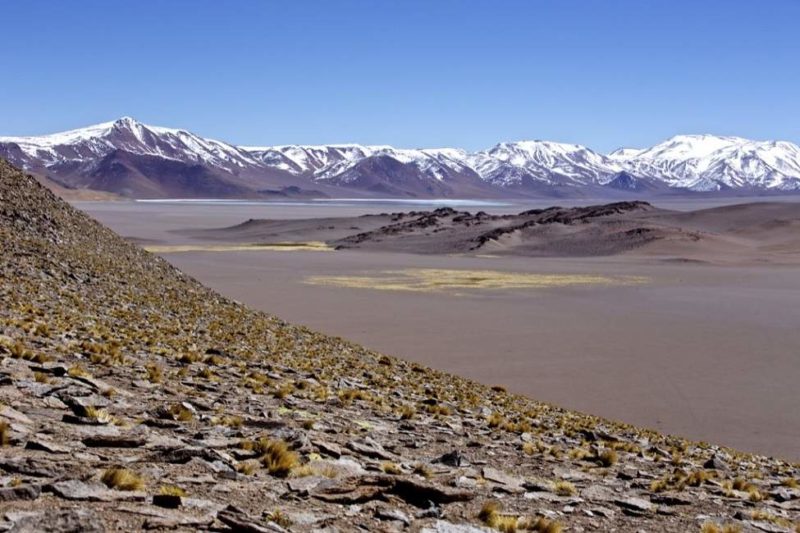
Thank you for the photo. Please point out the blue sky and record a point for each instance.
(408, 73)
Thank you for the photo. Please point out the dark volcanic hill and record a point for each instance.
(756, 232)
(131, 397)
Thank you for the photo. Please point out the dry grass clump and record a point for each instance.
(348, 395)
(491, 515)
(95, 413)
(423, 470)
(680, 479)
(247, 468)
(790, 483)
(172, 490)
(489, 512)
(279, 518)
(18, 351)
(494, 420)
(181, 413)
(276, 457)
(231, 421)
(122, 479)
(206, 373)
(283, 390)
(315, 468)
(438, 410)
(5, 433)
(606, 458)
(189, 358)
(155, 374)
(564, 488)
(711, 527)
(77, 371)
(761, 515)
(407, 412)
(541, 525)
(534, 447)
(388, 467)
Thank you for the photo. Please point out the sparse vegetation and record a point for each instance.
(171, 490)
(388, 467)
(276, 457)
(564, 488)
(5, 433)
(122, 479)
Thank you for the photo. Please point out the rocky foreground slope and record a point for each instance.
(132, 397)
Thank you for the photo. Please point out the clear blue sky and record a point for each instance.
(407, 73)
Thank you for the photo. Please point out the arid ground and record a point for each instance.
(707, 350)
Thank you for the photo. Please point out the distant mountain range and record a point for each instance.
(132, 159)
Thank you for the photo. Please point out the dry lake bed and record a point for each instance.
(705, 351)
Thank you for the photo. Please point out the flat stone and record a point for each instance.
(74, 489)
(328, 448)
(20, 492)
(422, 493)
(636, 505)
(29, 466)
(46, 445)
(383, 513)
(242, 523)
(441, 526)
(306, 518)
(784, 494)
(58, 521)
(12, 415)
(538, 485)
(769, 527)
(671, 498)
(599, 493)
(498, 476)
(716, 463)
(571, 475)
(161, 518)
(304, 485)
(369, 448)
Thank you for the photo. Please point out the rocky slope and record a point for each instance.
(133, 159)
(132, 397)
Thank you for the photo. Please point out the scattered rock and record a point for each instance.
(635, 505)
(369, 448)
(74, 489)
(20, 492)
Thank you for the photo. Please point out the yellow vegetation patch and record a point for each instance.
(122, 479)
(311, 246)
(432, 279)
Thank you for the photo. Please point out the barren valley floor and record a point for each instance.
(704, 351)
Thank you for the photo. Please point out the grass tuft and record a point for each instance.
(276, 457)
(122, 479)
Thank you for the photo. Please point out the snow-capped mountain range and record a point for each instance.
(137, 160)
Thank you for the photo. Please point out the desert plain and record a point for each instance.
(693, 336)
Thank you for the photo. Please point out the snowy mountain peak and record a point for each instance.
(700, 162)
